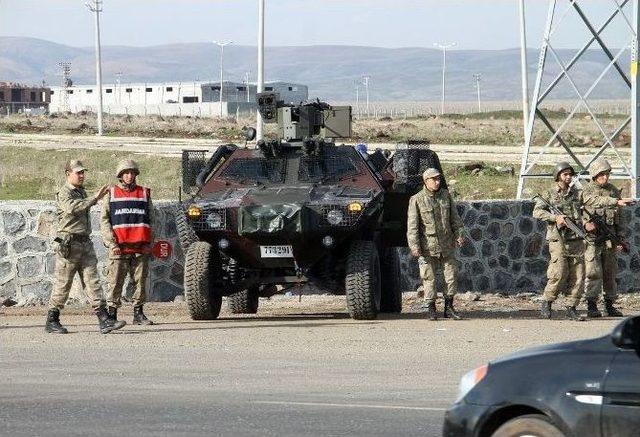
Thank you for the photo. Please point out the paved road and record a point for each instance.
(455, 153)
(293, 375)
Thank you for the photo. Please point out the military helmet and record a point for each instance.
(560, 167)
(600, 165)
(430, 173)
(127, 164)
(74, 165)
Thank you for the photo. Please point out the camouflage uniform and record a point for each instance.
(601, 257)
(433, 225)
(74, 224)
(121, 265)
(566, 266)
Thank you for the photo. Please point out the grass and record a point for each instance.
(27, 173)
(36, 174)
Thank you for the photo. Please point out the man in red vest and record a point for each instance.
(126, 227)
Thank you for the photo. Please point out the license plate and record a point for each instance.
(276, 251)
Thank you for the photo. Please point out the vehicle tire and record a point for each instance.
(200, 269)
(186, 234)
(362, 281)
(391, 297)
(244, 302)
(530, 425)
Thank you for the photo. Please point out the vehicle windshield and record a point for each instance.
(331, 167)
(255, 170)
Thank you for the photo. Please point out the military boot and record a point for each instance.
(431, 311)
(545, 309)
(139, 318)
(572, 314)
(107, 324)
(53, 323)
(449, 311)
(610, 310)
(113, 313)
(592, 309)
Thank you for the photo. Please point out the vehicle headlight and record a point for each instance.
(355, 207)
(214, 220)
(470, 380)
(194, 212)
(335, 217)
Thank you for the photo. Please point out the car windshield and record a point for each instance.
(255, 170)
(332, 167)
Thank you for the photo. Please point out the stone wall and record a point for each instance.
(505, 251)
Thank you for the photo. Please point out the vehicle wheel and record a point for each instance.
(200, 269)
(362, 281)
(186, 234)
(244, 302)
(391, 298)
(530, 425)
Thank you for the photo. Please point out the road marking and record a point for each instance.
(324, 404)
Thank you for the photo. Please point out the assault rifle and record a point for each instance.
(605, 232)
(568, 222)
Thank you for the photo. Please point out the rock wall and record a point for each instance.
(505, 251)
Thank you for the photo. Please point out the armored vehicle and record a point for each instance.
(297, 209)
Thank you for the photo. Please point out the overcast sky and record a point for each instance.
(472, 24)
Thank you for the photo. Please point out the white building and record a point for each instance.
(176, 98)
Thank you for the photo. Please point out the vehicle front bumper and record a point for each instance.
(463, 420)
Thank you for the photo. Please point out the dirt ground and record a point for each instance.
(473, 305)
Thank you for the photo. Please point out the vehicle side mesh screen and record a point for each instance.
(249, 170)
(193, 161)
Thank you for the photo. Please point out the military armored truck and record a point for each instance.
(297, 209)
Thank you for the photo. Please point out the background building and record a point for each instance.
(175, 98)
(17, 98)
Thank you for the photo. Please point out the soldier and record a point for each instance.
(126, 227)
(433, 229)
(74, 250)
(566, 266)
(602, 203)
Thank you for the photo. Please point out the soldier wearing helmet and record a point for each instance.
(127, 232)
(434, 228)
(603, 201)
(74, 250)
(566, 266)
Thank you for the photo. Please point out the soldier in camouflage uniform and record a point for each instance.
(75, 252)
(566, 266)
(433, 230)
(126, 227)
(602, 200)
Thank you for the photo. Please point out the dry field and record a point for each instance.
(490, 128)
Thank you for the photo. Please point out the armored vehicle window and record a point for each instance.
(332, 167)
(255, 170)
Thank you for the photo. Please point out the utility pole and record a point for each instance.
(221, 44)
(66, 83)
(523, 66)
(357, 85)
(365, 82)
(478, 77)
(246, 83)
(260, 88)
(95, 6)
(118, 77)
(444, 48)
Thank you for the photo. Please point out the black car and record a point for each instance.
(588, 388)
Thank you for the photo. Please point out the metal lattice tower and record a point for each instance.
(622, 13)
(66, 83)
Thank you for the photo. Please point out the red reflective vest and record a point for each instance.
(129, 217)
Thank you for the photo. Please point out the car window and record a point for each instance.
(251, 170)
(333, 167)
